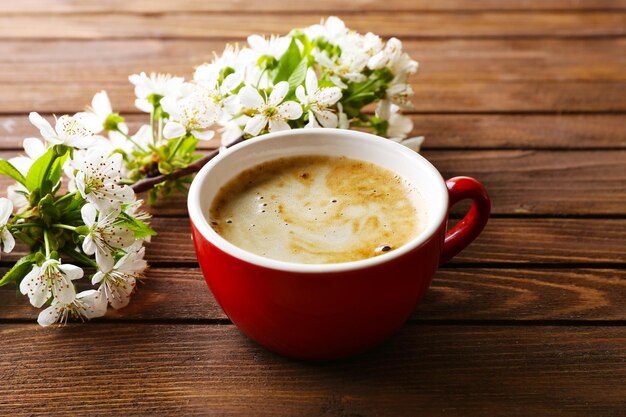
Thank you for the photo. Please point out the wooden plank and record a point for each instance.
(528, 181)
(518, 181)
(433, 97)
(406, 24)
(540, 182)
(517, 241)
(456, 294)
(454, 131)
(431, 370)
(452, 60)
(318, 6)
(456, 75)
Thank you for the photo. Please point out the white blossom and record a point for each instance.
(101, 109)
(87, 305)
(7, 242)
(143, 138)
(97, 179)
(233, 129)
(51, 279)
(76, 131)
(275, 46)
(194, 114)
(271, 110)
(160, 85)
(106, 236)
(331, 29)
(238, 60)
(317, 100)
(118, 284)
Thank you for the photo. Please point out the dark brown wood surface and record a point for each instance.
(530, 320)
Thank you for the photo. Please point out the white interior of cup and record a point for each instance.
(330, 142)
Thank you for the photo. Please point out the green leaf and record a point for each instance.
(37, 171)
(45, 172)
(298, 75)
(6, 168)
(19, 270)
(288, 62)
(141, 229)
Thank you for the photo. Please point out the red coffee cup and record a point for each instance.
(326, 311)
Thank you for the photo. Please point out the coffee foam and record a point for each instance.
(318, 209)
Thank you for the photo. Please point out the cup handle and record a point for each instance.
(470, 226)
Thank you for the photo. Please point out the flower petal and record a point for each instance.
(278, 93)
(290, 110)
(255, 125)
(101, 104)
(203, 134)
(327, 96)
(97, 277)
(71, 272)
(49, 316)
(92, 304)
(276, 125)
(326, 118)
(89, 247)
(33, 147)
(257, 42)
(311, 81)
(6, 208)
(63, 291)
(173, 130)
(250, 97)
(413, 143)
(143, 105)
(104, 259)
(8, 241)
(44, 127)
(88, 213)
(312, 121)
(301, 95)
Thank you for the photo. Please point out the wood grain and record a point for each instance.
(456, 131)
(519, 182)
(527, 181)
(453, 60)
(407, 24)
(460, 96)
(516, 241)
(198, 370)
(318, 6)
(474, 294)
(456, 75)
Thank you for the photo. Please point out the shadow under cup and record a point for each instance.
(325, 311)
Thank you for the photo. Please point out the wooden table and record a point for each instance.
(530, 320)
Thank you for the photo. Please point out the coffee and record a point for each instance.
(318, 209)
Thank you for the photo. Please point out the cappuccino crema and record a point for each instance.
(318, 210)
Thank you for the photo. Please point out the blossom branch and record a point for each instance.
(148, 183)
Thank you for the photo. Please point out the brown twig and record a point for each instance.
(148, 183)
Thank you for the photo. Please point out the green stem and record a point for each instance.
(64, 226)
(47, 243)
(159, 131)
(20, 225)
(127, 136)
(260, 77)
(77, 256)
(152, 126)
(65, 197)
(173, 152)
